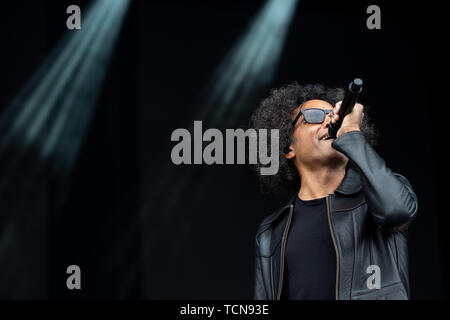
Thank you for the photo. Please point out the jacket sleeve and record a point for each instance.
(259, 292)
(390, 197)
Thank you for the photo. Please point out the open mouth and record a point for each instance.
(325, 137)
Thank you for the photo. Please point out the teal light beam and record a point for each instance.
(248, 67)
(55, 114)
(52, 112)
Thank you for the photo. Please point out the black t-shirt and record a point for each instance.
(310, 265)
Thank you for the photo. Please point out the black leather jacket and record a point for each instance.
(367, 215)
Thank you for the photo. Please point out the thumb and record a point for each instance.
(337, 107)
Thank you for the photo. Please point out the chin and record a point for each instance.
(335, 158)
(339, 159)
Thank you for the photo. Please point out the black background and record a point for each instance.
(203, 247)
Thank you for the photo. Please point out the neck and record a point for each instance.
(320, 182)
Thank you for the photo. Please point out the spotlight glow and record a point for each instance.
(55, 108)
(249, 67)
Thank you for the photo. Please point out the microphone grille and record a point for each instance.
(356, 85)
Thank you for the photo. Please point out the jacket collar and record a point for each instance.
(350, 184)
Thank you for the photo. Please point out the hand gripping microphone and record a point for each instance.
(351, 94)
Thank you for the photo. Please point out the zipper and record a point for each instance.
(283, 250)
(335, 247)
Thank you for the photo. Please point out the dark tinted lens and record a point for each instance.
(314, 115)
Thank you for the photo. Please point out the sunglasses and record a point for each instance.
(312, 115)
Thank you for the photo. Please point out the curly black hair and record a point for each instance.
(275, 112)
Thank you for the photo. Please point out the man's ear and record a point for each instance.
(289, 152)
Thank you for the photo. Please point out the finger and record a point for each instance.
(335, 112)
(358, 108)
(337, 107)
(334, 118)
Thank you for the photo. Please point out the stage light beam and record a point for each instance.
(55, 107)
(43, 128)
(246, 71)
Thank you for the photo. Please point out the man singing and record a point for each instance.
(343, 235)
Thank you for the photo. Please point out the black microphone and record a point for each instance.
(351, 94)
